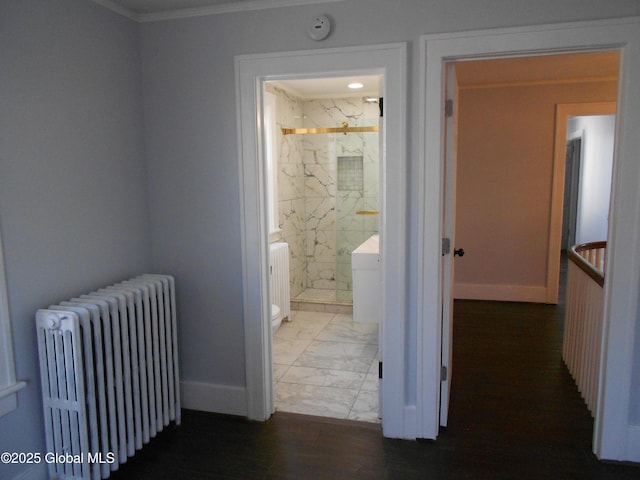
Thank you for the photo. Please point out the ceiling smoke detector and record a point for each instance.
(319, 28)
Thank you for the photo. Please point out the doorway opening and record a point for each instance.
(323, 180)
(252, 72)
(589, 166)
(509, 189)
(571, 189)
(510, 180)
(612, 429)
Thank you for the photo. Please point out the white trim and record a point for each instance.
(114, 7)
(623, 266)
(231, 7)
(8, 384)
(251, 71)
(36, 472)
(502, 293)
(633, 444)
(533, 83)
(209, 397)
(410, 423)
(9, 399)
(217, 9)
(623, 260)
(11, 388)
(430, 232)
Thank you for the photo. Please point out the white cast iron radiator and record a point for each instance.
(279, 275)
(109, 371)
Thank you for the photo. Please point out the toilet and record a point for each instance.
(276, 318)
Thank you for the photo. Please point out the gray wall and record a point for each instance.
(73, 196)
(73, 181)
(190, 114)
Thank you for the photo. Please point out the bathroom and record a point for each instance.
(327, 188)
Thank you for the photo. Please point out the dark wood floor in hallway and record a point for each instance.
(515, 414)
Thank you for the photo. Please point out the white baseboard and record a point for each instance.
(208, 397)
(633, 444)
(503, 293)
(35, 472)
(410, 423)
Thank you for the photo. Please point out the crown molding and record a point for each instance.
(529, 83)
(125, 12)
(229, 7)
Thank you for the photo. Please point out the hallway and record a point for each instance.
(515, 414)
(514, 406)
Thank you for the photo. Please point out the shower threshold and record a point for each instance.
(320, 300)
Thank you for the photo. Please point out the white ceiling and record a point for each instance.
(154, 6)
(332, 87)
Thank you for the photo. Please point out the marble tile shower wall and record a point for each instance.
(316, 218)
(333, 228)
(291, 201)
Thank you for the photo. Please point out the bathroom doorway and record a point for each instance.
(323, 180)
(252, 72)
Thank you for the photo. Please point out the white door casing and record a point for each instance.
(251, 72)
(614, 437)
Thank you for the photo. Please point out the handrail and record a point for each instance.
(575, 255)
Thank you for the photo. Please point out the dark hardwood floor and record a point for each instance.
(515, 414)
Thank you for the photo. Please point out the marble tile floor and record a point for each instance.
(326, 364)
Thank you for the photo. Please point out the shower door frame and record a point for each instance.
(252, 71)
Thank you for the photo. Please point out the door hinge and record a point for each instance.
(448, 108)
(443, 373)
(446, 246)
(381, 106)
(380, 370)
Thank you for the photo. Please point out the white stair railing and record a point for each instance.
(584, 318)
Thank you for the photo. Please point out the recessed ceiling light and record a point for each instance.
(355, 85)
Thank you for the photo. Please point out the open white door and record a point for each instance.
(448, 229)
(381, 174)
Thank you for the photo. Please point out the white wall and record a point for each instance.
(73, 201)
(595, 175)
